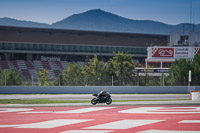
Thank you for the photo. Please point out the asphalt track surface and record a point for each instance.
(101, 119)
(146, 99)
(89, 96)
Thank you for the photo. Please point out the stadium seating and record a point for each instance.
(56, 72)
(29, 65)
(26, 74)
(64, 64)
(4, 64)
(58, 63)
(38, 65)
(27, 69)
(13, 64)
(21, 64)
(46, 65)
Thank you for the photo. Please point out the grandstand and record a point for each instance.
(30, 49)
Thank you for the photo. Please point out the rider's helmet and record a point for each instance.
(104, 92)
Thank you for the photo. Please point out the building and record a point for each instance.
(30, 49)
(179, 47)
(160, 58)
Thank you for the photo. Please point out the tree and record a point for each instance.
(149, 79)
(94, 71)
(59, 80)
(196, 70)
(72, 76)
(10, 77)
(43, 77)
(178, 72)
(122, 66)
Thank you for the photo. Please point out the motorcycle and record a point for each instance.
(101, 99)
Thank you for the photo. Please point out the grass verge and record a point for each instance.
(46, 101)
(39, 101)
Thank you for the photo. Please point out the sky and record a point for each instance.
(50, 11)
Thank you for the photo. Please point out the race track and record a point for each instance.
(89, 96)
(102, 119)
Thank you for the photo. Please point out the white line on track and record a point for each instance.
(88, 131)
(189, 121)
(162, 110)
(86, 110)
(82, 110)
(124, 124)
(7, 110)
(49, 124)
(167, 131)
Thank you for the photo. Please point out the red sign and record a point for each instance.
(162, 52)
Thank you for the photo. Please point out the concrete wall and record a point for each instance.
(96, 89)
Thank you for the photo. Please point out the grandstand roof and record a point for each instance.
(78, 37)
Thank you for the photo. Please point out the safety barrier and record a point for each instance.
(195, 95)
(95, 89)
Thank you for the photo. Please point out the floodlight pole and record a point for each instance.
(163, 79)
(32, 79)
(59, 80)
(189, 77)
(138, 79)
(5, 79)
(112, 80)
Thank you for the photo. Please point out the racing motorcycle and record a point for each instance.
(101, 99)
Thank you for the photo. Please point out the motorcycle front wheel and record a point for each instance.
(108, 101)
(94, 101)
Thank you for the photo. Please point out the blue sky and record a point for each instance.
(51, 11)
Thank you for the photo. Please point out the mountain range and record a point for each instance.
(99, 20)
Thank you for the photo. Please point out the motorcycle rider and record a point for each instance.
(103, 94)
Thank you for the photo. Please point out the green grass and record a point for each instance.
(46, 101)
(39, 101)
(148, 100)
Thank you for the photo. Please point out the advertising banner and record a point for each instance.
(173, 52)
(43, 58)
(162, 52)
(183, 52)
(197, 50)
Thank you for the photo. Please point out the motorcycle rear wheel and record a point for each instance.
(94, 101)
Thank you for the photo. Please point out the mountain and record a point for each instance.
(21, 23)
(99, 20)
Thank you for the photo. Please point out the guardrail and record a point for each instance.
(96, 89)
